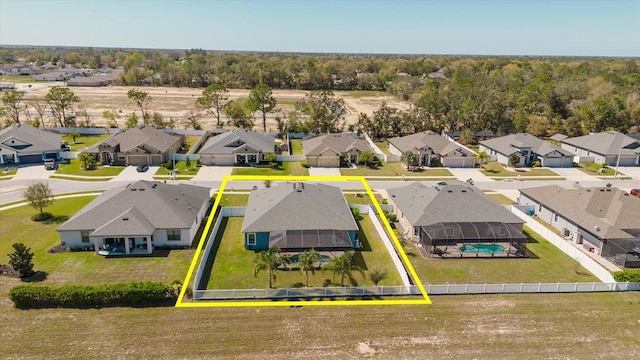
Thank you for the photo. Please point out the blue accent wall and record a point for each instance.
(262, 242)
(353, 236)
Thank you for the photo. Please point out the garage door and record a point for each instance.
(206, 159)
(225, 160)
(138, 160)
(454, 163)
(552, 162)
(328, 161)
(30, 159)
(156, 159)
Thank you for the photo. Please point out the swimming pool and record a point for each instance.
(323, 258)
(482, 248)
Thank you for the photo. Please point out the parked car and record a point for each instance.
(634, 192)
(142, 168)
(50, 164)
(441, 183)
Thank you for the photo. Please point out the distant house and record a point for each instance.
(56, 75)
(239, 146)
(299, 216)
(326, 150)
(605, 147)
(23, 144)
(138, 217)
(141, 145)
(446, 219)
(477, 135)
(606, 221)
(428, 145)
(528, 148)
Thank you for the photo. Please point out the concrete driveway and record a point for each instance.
(463, 174)
(318, 171)
(33, 172)
(212, 173)
(130, 173)
(633, 171)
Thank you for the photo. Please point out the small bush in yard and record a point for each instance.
(43, 216)
(629, 275)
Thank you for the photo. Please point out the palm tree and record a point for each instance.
(377, 275)
(307, 261)
(271, 158)
(483, 157)
(343, 266)
(268, 260)
(366, 157)
(408, 158)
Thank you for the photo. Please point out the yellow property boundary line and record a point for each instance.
(249, 303)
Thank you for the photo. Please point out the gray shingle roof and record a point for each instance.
(558, 137)
(424, 206)
(141, 135)
(339, 143)
(428, 138)
(507, 144)
(40, 140)
(605, 143)
(305, 207)
(228, 142)
(145, 203)
(614, 211)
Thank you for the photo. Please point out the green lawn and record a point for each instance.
(189, 141)
(234, 199)
(295, 168)
(296, 147)
(182, 168)
(384, 146)
(75, 168)
(81, 267)
(362, 198)
(393, 169)
(8, 172)
(495, 169)
(18, 79)
(233, 265)
(282, 169)
(474, 148)
(594, 169)
(83, 141)
(547, 264)
(501, 199)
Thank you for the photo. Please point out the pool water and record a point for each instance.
(482, 248)
(323, 258)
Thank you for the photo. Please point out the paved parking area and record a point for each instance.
(212, 173)
(33, 172)
(324, 171)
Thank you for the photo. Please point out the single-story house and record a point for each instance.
(23, 144)
(428, 145)
(141, 145)
(138, 217)
(327, 150)
(240, 146)
(56, 75)
(611, 147)
(605, 220)
(454, 219)
(528, 148)
(299, 216)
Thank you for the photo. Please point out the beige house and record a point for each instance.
(237, 147)
(429, 146)
(141, 145)
(326, 150)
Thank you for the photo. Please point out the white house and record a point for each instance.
(611, 147)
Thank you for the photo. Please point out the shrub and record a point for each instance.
(385, 201)
(305, 164)
(21, 259)
(629, 275)
(137, 293)
(43, 216)
(168, 165)
(390, 217)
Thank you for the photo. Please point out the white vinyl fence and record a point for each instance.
(596, 269)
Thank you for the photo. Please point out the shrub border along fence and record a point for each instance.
(81, 296)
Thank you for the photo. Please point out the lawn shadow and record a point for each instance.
(208, 261)
(358, 260)
(531, 240)
(58, 219)
(37, 276)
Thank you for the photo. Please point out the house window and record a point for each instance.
(540, 208)
(251, 239)
(173, 235)
(416, 231)
(84, 235)
(120, 157)
(555, 217)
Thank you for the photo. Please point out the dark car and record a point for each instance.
(142, 168)
(441, 183)
(634, 192)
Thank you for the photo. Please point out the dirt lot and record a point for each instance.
(177, 102)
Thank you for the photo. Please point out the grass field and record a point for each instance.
(393, 169)
(547, 264)
(594, 169)
(286, 168)
(83, 141)
(495, 169)
(18, 79)
(75, 168)
(296, 147)
(364, 93)
(233, 265)
(295, 168)
(81, 267)
(182, 169)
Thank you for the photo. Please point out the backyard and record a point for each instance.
(546, 264)
(81, 267)
(83, 141)
(189, 142)
(495, 169)
(75, 168)
(296, 147)
(233, 265)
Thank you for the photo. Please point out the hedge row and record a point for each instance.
(137, 293)
(627, 276)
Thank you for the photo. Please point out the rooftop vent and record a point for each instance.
(125, 219)
(134, 189)
(141, 189)
(449, 191)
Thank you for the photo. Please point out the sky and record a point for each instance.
(516, 27)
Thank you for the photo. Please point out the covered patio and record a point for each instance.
(118, 246)
(321, 240)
